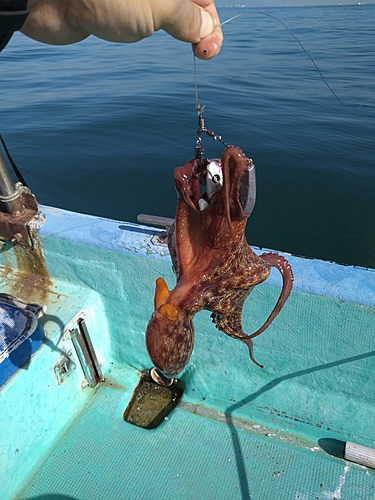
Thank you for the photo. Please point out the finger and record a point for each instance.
(210, 45)
(188, 21)
(131, 21)
(183, 19)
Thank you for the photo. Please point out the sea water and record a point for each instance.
(98, 127)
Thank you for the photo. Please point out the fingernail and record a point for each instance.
(208, 25)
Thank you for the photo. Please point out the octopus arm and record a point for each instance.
(188, 236)
(283, 266)
(232, 324)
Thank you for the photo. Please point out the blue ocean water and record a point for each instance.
(98, 127)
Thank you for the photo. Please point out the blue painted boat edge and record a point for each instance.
(349, 283)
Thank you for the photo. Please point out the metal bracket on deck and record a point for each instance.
(86, 354)
(155, 220)
(19, 214)
(16, 226)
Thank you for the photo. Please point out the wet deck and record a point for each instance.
(188, 456)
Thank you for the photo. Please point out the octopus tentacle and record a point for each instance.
(232, 325)
(283, 266)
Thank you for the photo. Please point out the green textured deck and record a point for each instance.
(187, 457)
(240, 432)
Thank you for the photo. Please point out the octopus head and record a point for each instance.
(169, 333)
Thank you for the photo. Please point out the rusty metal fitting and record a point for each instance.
(16, 238)
(160, 379)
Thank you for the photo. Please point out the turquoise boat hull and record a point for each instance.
(238, 432)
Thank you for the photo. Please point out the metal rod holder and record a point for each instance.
(8, 188)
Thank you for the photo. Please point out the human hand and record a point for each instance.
(62, 22)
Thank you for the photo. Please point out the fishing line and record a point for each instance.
(197, 104)
(247, 12)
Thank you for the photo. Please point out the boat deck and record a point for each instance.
(239, 432)
(101, 456)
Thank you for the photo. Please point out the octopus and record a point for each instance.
(216, 269)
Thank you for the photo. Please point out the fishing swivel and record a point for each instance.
(201, 130)
(210, 172)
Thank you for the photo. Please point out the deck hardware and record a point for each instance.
(86, 354)
(156, 220)
(16, 238)
(160, 239)
(64, 367)
(18, 206)
(152, 402)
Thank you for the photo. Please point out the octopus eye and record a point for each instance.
(216, 178)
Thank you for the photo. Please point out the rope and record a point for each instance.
(20, 188)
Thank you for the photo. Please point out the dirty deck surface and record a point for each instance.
(189, 456)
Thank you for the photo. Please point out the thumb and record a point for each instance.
(183, 19)
(187, 21)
